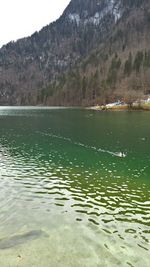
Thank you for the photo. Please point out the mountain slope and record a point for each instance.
(80, 58)
(118, 68)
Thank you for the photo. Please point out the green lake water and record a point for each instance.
(74, 188)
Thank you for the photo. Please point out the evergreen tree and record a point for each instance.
(128, 65)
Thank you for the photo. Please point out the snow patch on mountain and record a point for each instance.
(75, 18)
(112, 8)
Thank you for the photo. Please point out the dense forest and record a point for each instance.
(96, 52)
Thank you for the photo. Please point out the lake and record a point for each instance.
(74, 188)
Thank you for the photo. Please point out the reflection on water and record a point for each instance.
(60, 175)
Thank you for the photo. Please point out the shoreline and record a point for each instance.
(94, 108)
(119, 108)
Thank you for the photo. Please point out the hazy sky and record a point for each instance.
(20, 18)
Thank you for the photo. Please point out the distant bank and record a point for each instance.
(125, 107)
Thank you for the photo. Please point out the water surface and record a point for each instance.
(80, 177)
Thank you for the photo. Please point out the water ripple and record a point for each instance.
(54, 182)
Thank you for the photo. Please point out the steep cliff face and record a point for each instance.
(38, 69)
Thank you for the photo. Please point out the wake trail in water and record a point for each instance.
(116, 154)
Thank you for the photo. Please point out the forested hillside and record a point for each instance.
(97, 51)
